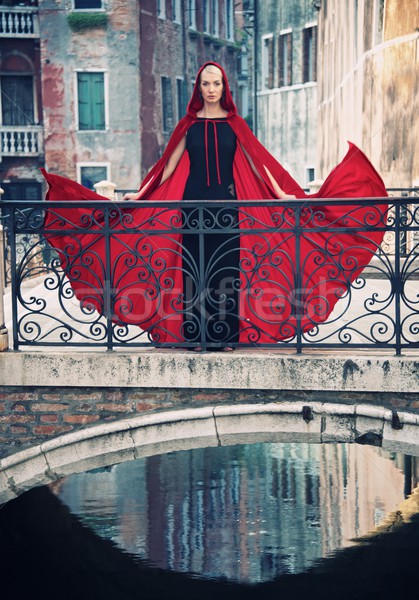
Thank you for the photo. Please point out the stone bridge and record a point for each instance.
(69, 411)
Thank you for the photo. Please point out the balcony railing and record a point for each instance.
(287, 285)
(21, 140)
(19, 22)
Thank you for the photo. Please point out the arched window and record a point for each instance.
(17, 90)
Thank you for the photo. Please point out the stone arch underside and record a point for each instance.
(172, 430)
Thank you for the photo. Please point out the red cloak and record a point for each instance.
(283, 283)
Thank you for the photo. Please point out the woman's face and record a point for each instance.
(211, 86)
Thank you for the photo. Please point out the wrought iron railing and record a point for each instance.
(137, 267)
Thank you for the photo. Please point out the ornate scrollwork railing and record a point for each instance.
(182, 274)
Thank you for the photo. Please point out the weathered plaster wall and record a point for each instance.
(112, 49)
(287, 116)
(368, 88)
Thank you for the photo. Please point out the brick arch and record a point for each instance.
(171, 430)
(16, 62)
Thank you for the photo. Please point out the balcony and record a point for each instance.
(19, 22)
(20, 140)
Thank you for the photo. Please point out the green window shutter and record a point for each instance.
(91, 100)
(83, 96)
(98, 101)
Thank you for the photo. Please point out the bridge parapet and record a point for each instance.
(43, 396)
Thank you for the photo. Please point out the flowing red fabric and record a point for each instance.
(291, 276)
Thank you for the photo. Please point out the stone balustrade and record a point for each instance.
(19, 21)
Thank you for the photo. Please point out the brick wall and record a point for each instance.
(29, 416)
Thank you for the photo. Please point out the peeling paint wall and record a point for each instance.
(14, 53)
(368, 86)
(112, 49)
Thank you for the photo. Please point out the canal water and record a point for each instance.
(250, 521)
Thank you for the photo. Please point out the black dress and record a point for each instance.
(211, 309)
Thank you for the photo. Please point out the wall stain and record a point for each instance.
(349, 368)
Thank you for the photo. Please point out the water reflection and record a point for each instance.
(245, 513)
(172, 508)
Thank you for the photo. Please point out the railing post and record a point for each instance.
(4, 334)
(106, 188)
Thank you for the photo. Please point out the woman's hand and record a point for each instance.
(278, 191)
(131, 196)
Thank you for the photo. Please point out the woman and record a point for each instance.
(239, 284)
(210, 144)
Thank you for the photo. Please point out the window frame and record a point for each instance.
(167, 129)
(206, 16)
(308, 169)
(105, 98)
(180, 98)
(215, 18)
(161, 9)
(309, 66)
(229, 19)
(267, 61)
(192, 14)
(82, 165)
(176, 11)
(285, 68)
(33, 98)
(101, 9)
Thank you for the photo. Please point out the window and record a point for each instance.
(22, 190)
(310, 174)
(91, 101)
(176, 11)
(229, 4)
(192, 14)
(309, 54)
(17, 105)
(378, 21)
(285, 58)
(215, 18)
(167, 104)
(180, 98)
(206, 16)
(91, 173)
(161, 9)
(267, 61)
(88, 4)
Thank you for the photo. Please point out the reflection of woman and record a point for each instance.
(252, 289)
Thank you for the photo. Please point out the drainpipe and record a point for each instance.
(255, 66)
(185, 27)
(4, 334)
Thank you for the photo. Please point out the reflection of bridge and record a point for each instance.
(71, 409)
(357, 572)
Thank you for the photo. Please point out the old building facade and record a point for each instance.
(176, 38)
(368, 80)
(285, 112)
(91, 89)
(21, 113)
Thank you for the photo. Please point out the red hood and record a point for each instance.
(196, 102)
